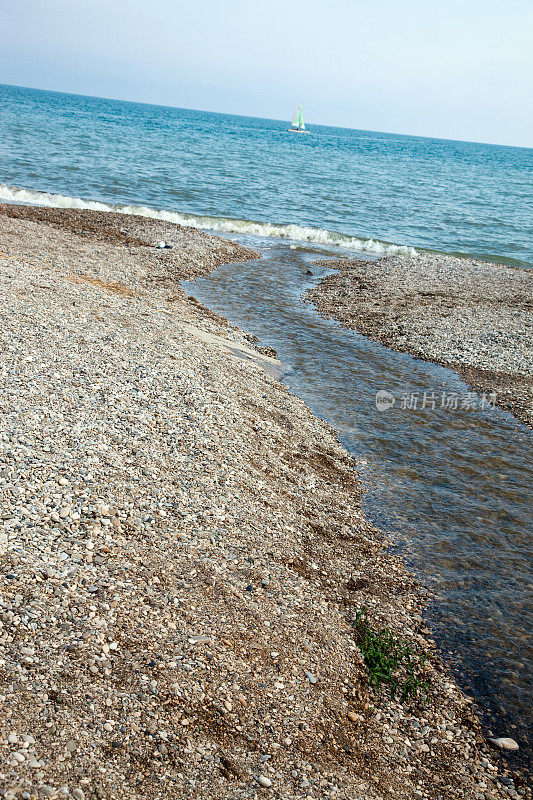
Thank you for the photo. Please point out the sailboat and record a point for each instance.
(298, 124)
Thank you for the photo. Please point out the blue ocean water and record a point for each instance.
(334, 186)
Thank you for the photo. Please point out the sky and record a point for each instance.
(451, 69)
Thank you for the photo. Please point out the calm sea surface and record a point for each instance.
(454, 487)
(331, 186)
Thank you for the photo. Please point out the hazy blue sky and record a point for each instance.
(451, 68)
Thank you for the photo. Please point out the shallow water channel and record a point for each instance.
(452, 485)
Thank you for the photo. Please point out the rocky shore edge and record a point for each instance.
(473, 316)
(183, 553)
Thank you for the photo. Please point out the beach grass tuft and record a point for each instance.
(391, 661)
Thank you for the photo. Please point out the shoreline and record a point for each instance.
(185, 551)
(475, 317)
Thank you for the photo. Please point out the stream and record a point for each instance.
(450, 486)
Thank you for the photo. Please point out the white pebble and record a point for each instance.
(504, 743)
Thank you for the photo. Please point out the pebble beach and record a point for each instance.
(183, 551)
(473, 316)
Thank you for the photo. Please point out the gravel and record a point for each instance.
(474, 316)
(150, 475)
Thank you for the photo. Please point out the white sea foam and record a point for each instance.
(297, 233)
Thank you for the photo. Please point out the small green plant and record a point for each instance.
(390, 661)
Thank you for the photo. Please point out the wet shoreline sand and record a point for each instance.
(184, 552)
(473, 316)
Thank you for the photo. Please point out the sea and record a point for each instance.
(452, 490)
(367, 191)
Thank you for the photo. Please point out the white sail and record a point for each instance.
(296, 117)
(297, 123)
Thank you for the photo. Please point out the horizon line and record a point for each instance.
(273, 119)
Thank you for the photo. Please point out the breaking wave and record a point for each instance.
(297, 233)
